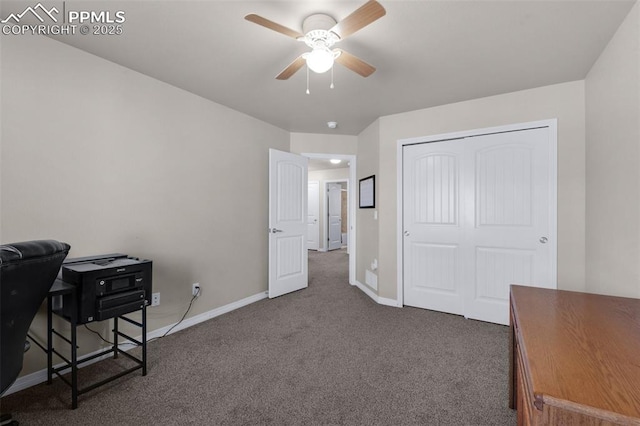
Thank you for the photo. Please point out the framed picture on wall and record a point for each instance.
(367, 192)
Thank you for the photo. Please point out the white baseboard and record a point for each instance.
(191, 321)
(367, 291)
(380, 300)
(38, 377)
(388, 302)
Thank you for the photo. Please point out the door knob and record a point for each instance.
(406, 233)
(544, 240)
(274, 230)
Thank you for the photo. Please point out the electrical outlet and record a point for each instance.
(195, 289)
(155, 299)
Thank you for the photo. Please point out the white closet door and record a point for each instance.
(434, 262)
(508, 219)
(477, 217)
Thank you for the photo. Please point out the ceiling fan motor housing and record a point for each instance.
(316, 29)
(318, 21)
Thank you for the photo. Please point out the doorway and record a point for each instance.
(340, 224)
(337, 223)
(313, 215)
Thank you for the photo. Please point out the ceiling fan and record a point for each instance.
(321, 32)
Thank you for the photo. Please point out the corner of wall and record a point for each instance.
(612, 111)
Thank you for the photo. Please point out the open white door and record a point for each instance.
(334, 208)
(287, 223)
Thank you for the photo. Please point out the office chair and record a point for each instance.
(27, 272)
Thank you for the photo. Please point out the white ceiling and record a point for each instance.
(427, 53)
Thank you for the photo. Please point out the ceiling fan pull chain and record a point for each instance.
(307, 80)
(331, 87)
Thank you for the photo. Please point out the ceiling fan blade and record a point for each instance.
(292, 68)
(354, 63)
(360, 18)
(256, 19)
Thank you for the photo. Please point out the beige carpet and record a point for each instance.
(324, 355)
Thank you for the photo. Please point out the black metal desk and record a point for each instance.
(59, 289)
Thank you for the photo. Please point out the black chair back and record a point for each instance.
(27, 272)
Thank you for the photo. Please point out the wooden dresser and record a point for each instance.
(574, 358)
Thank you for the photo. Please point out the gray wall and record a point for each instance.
(323, 143)
(108, 160)
(367, 226)
(613, 164)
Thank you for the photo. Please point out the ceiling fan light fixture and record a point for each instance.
(320, 60)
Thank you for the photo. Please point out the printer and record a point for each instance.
(106, 286)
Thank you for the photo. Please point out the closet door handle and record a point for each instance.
(544, 240)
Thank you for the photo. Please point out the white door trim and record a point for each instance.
(552, 124)
(351, 246)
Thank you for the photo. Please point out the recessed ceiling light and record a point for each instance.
(335, 161)
(332, 124)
